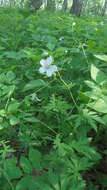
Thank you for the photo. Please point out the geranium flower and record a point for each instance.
(47, 67)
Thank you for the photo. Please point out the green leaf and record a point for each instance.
(104, 118)
(105, 152)
(25, 164)
(34, 84)
(24, 183)
(97, 75)
(101, 57)
(2, 78)
(2, 113)
(90, 84)
(8, 90)
(105, 182)
(14, 120)
(100, 105)
(35, 158)
(10, 76)
(2, 48)
(92, 124)
(11, 170)
(31, 119)
(51, 46)
(52, 178)
(42, 185)
(94, 94)
(1, 126)
(11, 54)
(13, 107)
(51, 43)
(15, 55)
(74, 50)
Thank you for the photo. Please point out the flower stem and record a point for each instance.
(66, 85)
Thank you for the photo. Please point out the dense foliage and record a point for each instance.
(52, 129)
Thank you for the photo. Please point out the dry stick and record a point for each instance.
(68, 90)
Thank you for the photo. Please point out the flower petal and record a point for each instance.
(51, 70)
(49, 73)
(42, 70)
(49, 60)
(42, 62)
(54, 68)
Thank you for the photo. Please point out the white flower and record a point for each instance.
(61, 38)
(73, 24)
(47, 67)
(102, 23)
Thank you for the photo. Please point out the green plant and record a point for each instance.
(52, 129)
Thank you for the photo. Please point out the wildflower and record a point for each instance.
(73, 24)
(61, 38)
(47, 67)
(102, 23)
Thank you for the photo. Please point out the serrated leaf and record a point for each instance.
(31, 119)
(101, 57)
(93, 124)
(41, 184)
(13, 107)
(2, 113)
(51, 177)
(97, 75)
(35, 158)
(12, 171)
(34, 84)
(11, 54)
(90, 84)
(23, 184)
(100, 105)
(25, 165)
(15, 55)
(10, 76)
(51, 46)
(2, 78)
(14, 120)
(104, 118)
(74, 50)
(8, 90)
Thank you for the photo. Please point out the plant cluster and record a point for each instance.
(53, 102)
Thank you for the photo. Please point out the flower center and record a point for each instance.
(48, 66)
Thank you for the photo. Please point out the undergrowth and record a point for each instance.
(52, 129)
